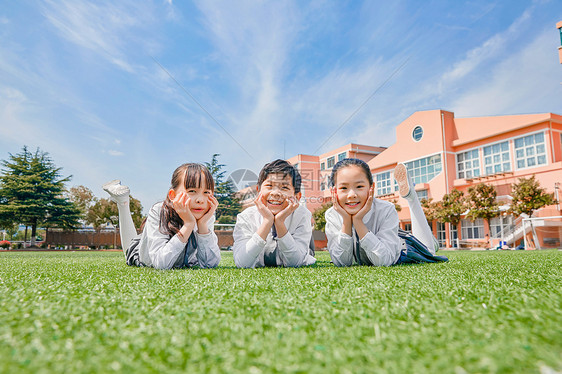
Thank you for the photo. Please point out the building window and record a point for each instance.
(383, 183)
(530, 151)
(468, 164)
(322, 166)
(424, 169)
(472, 230)
(496, 158)
(422, 194)
(417, 133)
(408, 227)
(497, 224)
(441, 234)
(453, 235)
(341, 156)
(331, 162)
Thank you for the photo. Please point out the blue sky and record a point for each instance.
(79, 79)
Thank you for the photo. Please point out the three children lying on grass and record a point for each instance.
(276, 231)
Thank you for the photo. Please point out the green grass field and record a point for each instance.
(497, 312)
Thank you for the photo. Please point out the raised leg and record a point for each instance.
(120, 195)
(420, 227)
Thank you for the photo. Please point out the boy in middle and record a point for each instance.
(276, 231)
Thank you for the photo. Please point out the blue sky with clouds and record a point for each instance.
(82, 81)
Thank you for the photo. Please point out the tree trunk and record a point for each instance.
(25, 236)
(33, 233)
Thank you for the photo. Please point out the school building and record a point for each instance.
(443, 153)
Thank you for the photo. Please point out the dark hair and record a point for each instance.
(191, 176)
(349, 162)
(281, 167)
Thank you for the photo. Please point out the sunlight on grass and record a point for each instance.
(89, 312)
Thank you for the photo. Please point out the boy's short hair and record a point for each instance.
(281, 167)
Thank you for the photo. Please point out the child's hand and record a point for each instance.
(213, 205)
(366, 208)
(181, 206)
(338, 208)
(262, 209)
(202, 222)
(292, 205)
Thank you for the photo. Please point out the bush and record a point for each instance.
(226, 219)
(5, 244)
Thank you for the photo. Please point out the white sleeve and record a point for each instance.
(294, 246)
(247, 243)
(383, 247)
(163, 251)
(340, 245)
(208, 251)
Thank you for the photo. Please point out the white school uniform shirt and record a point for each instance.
(249, 248)
(379, 247)
(161, 251)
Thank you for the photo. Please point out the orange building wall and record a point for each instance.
(446, 135)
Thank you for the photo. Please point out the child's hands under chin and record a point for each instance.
(181, 205)
(202, 227)
(213, 205)
(262, 209)
(292, 205)
(338, 208)
(366, 208)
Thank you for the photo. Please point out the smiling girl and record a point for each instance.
(364, 230)
(178, 231)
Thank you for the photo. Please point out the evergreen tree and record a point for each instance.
(482, 203)
(229, 203)
(32, 192)
(528, 196)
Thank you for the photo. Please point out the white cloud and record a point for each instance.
(112, 152)
(493, 47)
(106, 28)
(527, 80)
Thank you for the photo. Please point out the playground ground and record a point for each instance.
(483, 311)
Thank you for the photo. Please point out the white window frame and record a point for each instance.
(423, 194)
(468, 228)
(501, 158)
(383, 186)
(441, 233)
(462, 164)
(530, 151)
(497, 224)
(415, 172)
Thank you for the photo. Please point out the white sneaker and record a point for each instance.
(405, 185)
(117, 192)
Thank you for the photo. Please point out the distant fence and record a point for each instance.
(83, 238)
(111, 238)
(108, 238)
